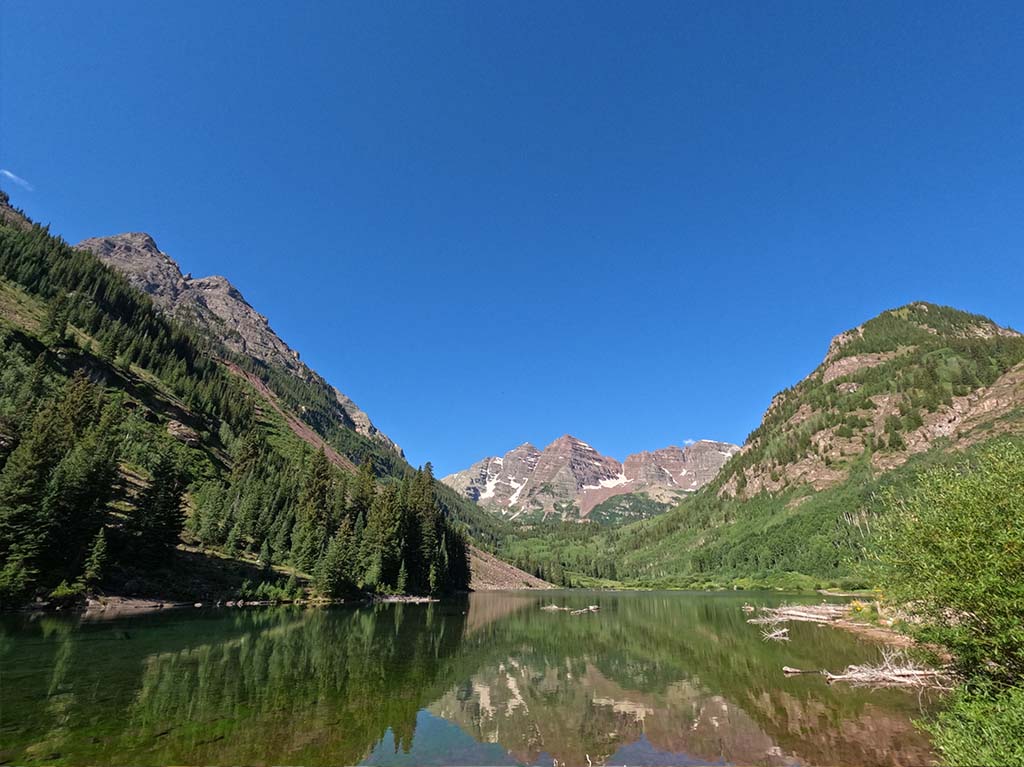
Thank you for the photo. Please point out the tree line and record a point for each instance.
(59, 528)
(91, 483)
(68, 517)
(350, 532)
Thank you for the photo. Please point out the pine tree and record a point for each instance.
(247, 455)
(16, 579)
(231, 545)
(424, 559)
(339, 497)
(23, 527)
(292, 588)
(78, 408)
(350, 561)
(74, 503)
(97, 561)
(313, 515)
(266, 555)
(205, 523)
(330, 574)
(402, 583)
(381, 545)
(55, 329)
(364, 491)
(158, 519)
(30, 393)
(458, 573)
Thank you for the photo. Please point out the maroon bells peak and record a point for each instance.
(569, 478)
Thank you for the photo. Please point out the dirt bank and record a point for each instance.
(491, 574)
(103, 608)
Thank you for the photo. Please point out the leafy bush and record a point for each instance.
(270, 591)
(981, 726)
(953, 551)
(67, 594)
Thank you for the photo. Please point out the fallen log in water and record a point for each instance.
(581, 611)
(871, 675)
(895, 670)
(823, 613)
(790, 671)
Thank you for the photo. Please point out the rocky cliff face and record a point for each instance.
(686, 468)
(885, 391)
(11, 216)
(217, 306)
(569, 477)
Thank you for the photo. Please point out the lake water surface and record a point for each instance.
(652, 679)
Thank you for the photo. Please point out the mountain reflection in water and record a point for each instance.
(653, 678)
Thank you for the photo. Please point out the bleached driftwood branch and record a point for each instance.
(895, 670)
(581, 611)
(823, 613)
(775, 634)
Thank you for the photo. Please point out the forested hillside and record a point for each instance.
(914, 388)
(137, 454)
(890, 387)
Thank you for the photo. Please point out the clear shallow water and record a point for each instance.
(653, 678)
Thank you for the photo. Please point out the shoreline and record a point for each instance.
(96, 607)
(886, 634)
(833, 614)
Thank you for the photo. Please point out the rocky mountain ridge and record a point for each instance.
(914, 389)
(889, 388)
(569, 478)
(201, 401)
(216, 305)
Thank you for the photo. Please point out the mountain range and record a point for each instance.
(218, 307)
(915, 387)
(159, 439)
(185, 367)
(887, 390)
(570, 480)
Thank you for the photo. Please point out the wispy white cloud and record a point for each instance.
(689, 441)
(16, 179)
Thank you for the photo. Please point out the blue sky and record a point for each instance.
(493, 222)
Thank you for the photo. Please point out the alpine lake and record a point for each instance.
(652, 678)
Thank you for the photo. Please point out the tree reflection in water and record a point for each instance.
(651, 678)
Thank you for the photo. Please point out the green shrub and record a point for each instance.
(67, 594)
(793, 581)
(953, 551)
(981, 725)
(15, 582)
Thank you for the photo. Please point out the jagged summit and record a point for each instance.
(905, 322)
(569, 478)
(215, 304)
(887, 389)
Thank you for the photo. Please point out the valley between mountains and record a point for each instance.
(160, 442)
(511, 384)
(213, 461)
